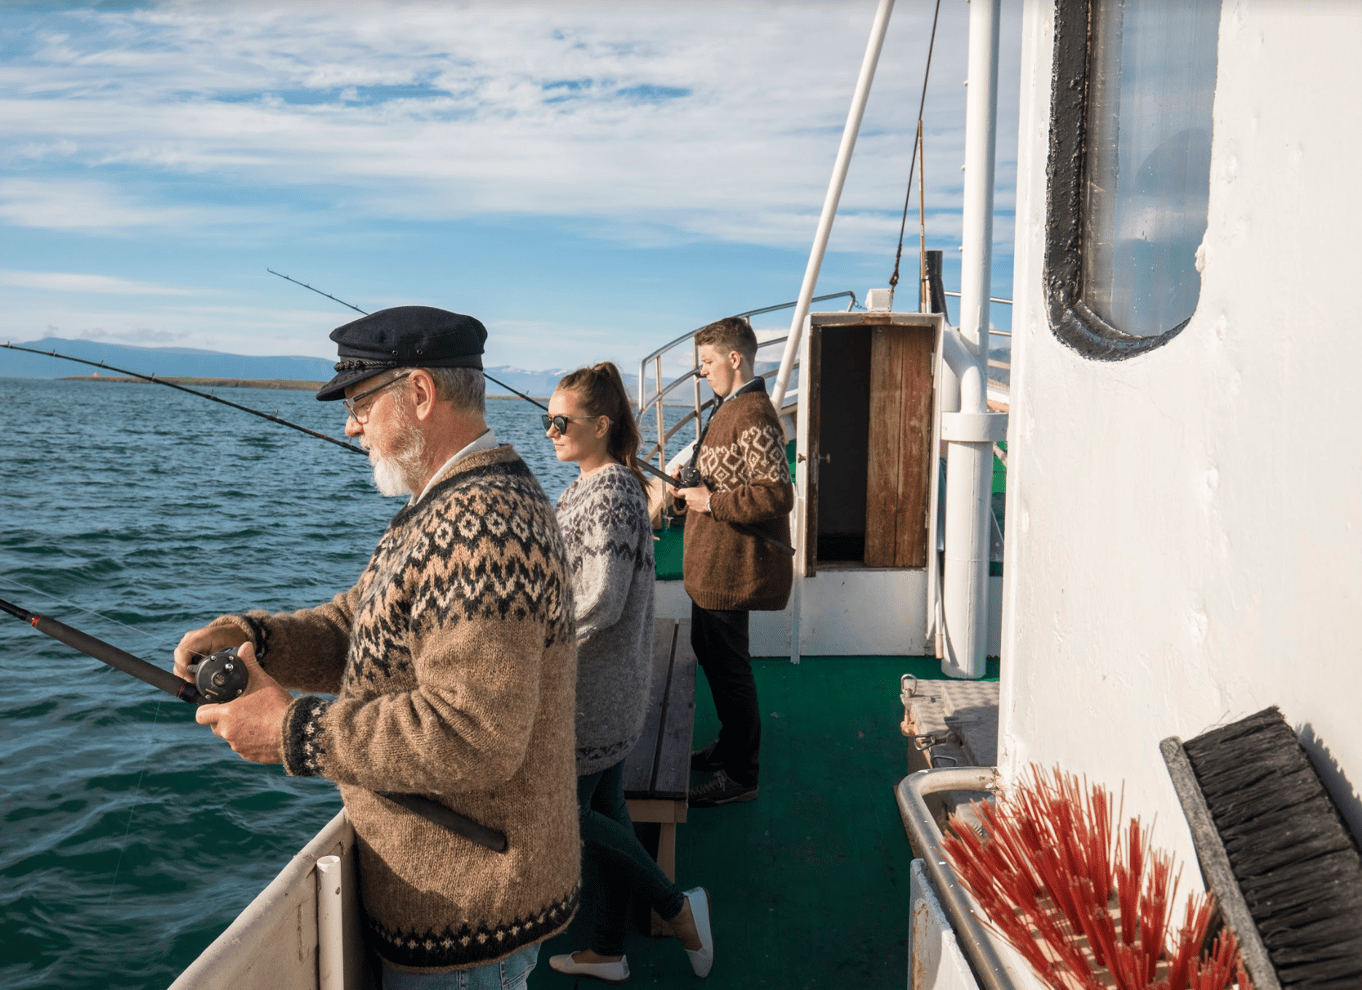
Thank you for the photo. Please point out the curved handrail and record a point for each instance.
(661, 390)
(692, 414)
(751, 312)
(962, 910)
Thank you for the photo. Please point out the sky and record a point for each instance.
(589, 179)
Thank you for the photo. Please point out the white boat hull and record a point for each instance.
(274, 942)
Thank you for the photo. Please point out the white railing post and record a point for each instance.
(839, 174)
(330, 927)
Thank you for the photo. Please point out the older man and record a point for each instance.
(453, 666)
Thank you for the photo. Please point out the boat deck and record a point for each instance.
(810, 881)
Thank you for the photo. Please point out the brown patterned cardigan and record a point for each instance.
(742, 461)
(453, 663)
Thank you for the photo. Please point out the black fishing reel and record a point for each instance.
(220, 677)
(689, 476)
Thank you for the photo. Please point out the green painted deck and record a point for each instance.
(810, 881)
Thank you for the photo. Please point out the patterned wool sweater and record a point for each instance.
(742, 461)
(453, 665)
(609, 544)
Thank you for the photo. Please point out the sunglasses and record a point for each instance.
(559, 423)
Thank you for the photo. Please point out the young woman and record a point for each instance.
(604, 519)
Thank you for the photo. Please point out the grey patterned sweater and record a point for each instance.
(452, 665)
(604, 519)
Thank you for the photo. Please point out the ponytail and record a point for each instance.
(602, 393)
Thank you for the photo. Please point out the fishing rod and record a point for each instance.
(220, 678)
(276, 418)
(780, 545)
(693, 476)
(350, 305)
(318, 291)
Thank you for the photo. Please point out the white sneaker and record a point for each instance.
(606, 972)
(701, 959)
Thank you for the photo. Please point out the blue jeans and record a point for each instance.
(508, 974)
(614, 863)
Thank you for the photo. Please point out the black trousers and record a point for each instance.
(720, 642)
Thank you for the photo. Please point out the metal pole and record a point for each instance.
(981, 111)
(839, 174)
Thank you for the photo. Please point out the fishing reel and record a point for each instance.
(220, 677)
(689, 476)
(686, 477)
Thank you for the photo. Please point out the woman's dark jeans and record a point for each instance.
(614, 863)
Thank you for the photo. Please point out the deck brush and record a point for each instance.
(1089, 904)
(1276, 852)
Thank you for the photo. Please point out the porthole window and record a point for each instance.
(1129, 174)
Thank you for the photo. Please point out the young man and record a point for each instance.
(452, 663)
(729, 568)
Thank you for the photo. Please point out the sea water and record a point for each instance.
(129, 835)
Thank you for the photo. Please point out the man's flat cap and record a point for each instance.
(403, 337)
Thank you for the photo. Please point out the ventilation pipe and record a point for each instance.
(981, 112)
(969, 433)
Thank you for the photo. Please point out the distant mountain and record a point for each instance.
(165, 361)
(171, 362)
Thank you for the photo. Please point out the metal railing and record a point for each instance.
(992, 299)
(961, 909)
(662, 388)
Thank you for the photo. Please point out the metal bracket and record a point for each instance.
(963, 427)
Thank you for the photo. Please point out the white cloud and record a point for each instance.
(657, 124)
(67, 282)
(64, 204)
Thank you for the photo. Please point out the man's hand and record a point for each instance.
(696, 499)
(253, 724)
(200, 643)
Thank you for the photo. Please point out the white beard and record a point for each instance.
(400, 473)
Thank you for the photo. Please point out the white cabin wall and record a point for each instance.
(1184, 540)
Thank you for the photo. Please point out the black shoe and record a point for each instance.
(706, 760)
(721, 789)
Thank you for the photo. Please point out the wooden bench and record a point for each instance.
(657, 772)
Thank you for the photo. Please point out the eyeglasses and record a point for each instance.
(559, 423)
(352, 403)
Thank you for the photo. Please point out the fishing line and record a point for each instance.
(136, 799)
(152, 642)
(350, 305)
(221, 678)
(779, 544)
(275, 418)
(148, 741)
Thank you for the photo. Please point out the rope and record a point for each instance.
(922, 103)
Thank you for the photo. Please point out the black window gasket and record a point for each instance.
(1071, 320)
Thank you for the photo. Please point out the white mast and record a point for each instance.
(839, 174)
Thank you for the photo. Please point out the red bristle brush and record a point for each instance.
(1087, 905)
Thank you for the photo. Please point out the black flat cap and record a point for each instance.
(403, 337)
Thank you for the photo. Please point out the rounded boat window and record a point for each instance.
(1130, 157)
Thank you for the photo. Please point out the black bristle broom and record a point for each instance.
(1273, 847)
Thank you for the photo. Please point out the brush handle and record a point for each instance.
(1215, 866)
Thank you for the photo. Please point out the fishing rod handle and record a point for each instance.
(114, 657)
(434, 811)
